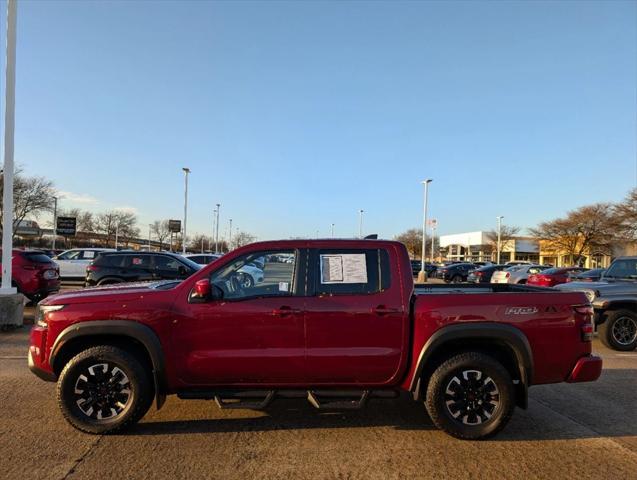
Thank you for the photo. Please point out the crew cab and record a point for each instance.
(614, 298)
(339, 324)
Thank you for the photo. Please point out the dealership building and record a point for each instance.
(479, 247)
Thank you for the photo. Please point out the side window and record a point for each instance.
(72, 255)
(167, 263)
(258, 274)
(351, 271)
(137, 261)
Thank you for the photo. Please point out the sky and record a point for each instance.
(296, 115)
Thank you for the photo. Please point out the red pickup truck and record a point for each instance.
(335, 321)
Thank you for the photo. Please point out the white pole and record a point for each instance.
(360, 224)
(55, 221)
(423, 273)
(9, 126)
(499, 237)
(230, 235)
(202, 244)
(433, 237)
(217, 232)
(184, 236)
(332, 231)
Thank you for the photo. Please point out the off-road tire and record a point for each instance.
(608, 330)
(448, 374)
(139, 380)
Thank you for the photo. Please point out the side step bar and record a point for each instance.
(260, 399)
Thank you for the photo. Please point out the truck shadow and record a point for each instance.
(556, 412)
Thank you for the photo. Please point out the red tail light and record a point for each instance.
(92, 268)
(508, 275)
(478, 274)
(588, 328)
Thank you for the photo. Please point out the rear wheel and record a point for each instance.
(456, 279)
(104, 389)
(619, 331)
(470, 396)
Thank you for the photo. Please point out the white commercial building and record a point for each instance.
(480, 247)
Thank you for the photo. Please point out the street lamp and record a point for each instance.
(55, 220)
(217, 232)
(360, 223)
(499, 218)
(230, 235)
(422, 275)
(183, 237)
(332, 231)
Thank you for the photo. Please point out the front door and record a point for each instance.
(254, 335)
(356, 325)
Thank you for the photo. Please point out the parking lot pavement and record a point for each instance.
(569, 431)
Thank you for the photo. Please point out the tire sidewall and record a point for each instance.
(606, 331)
(139, 385)
(454, 367)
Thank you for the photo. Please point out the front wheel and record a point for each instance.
(104, 389)
(470, 396)
(619, 331)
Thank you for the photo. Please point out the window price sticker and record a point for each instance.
(343, 268)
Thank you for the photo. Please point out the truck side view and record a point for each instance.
(338, 322)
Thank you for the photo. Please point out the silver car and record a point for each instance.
(516, 274)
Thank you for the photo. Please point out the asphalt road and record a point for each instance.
(569, 431)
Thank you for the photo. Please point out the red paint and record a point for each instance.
(353, 340)
(545, 279)
(34, 279)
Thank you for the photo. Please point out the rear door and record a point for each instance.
(356, 323)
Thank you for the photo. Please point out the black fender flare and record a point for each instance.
(505, 334)
(122, 328)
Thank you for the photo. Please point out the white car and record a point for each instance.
(251, 274)
(516, 273)
(73, 262)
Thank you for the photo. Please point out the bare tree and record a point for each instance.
(581, 229)
(84, 219)
(199, 242)
(412, 239)
(31, 197)
(125, 223)
(625, 214)
(507, 236)
(242, 238)
(161, 231)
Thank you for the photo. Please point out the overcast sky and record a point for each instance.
(295, 115)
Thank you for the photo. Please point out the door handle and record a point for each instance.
(285, 311)
(383, 310)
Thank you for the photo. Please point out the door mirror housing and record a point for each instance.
(202, 289)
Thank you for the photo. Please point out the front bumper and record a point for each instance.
(587, 369)
(39, 372)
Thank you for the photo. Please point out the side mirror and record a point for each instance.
(202, 289)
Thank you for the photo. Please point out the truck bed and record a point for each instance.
(424, 288)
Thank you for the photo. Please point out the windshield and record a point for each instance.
(190, 263)
(622, 269)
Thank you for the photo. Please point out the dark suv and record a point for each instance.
(128, 266)
(456, 272)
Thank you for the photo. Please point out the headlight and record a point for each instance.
(41, 314)
(590, 295)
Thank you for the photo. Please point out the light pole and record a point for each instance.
(116, 234)
(183, 239)
(9, 127)
(55, 221)
(499, 218)
(149, 227)
(434, 224)
(332, 231)
(217, 232)
(422, 275)
(230, 235)
(360, 223)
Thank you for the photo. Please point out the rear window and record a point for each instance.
(37, 257)
(552, 271)
(109, 260)
(352, 271)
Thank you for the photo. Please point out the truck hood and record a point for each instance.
(109, 293)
